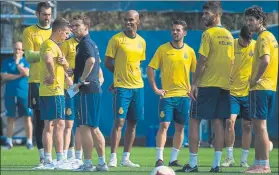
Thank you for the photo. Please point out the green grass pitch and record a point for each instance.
(20, 161)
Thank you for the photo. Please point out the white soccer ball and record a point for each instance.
(162, 170)
(270, 146)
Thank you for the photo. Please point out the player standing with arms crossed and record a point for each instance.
(32, 39)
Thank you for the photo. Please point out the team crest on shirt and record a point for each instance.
(162, 114)
(139, 45)
(69, 111)
(34, 101)
(185, 55)
(251, 53)
(120, 110)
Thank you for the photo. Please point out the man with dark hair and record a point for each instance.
(263, 86)
(239, 90)
(15, 71)
(175, 59)
(86, 76)
(51, 91)
(124, 54)
(32, 39)
(210, 85)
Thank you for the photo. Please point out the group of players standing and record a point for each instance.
(231, 77)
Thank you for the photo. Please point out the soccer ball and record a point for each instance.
(162, 170)
(270, 146)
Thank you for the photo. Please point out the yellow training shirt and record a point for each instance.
(32, 39)
(175, 65)
(68, 49)
(217, 45)
(242, 69)
(266, 45)
(127, 54)
(57, 88)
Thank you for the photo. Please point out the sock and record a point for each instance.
(174, 154)
(125, 156)
(65, 153)
(230, 152)
(193, 160)
(264, 162)
(71, 153)
(257, 162)
(9, 140)
(87, 162)
(48, 158)
(29, 141)
(113, 156)
(59, 156)
(159, 153)
(78, 154)
(41, 152)
(244, 155)
(101, 160)
(217, 159)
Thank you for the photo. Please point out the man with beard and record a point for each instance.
(175, 59)
(210, 85)
(239, 90)
(124, 53)
(32, 39)
(263, 86)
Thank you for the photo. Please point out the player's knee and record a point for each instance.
(179, 128)
(164, 127)
(247, 127)
(60, 125)
(11, 120)
(48, 127)
(230, 125)
(119, 125)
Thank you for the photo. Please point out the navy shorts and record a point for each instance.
(261, 104)
(11, 102)
(174, 108)
(129, 103)
(52, 107)
(240, 106)
(88, 107)
(33, 96)
(211, 103)
(69, 107)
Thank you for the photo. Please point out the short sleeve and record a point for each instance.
(112, 48)
(64, 47)
(205, 44)
(4, 66)
(156, 60)
(193, 62)
(264, 47)
(143, 51)
(88, 50)
(27, 40)
(26, 64)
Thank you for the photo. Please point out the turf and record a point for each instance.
(20, 161)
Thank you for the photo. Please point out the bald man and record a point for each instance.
(15, 72)
(125, 52)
